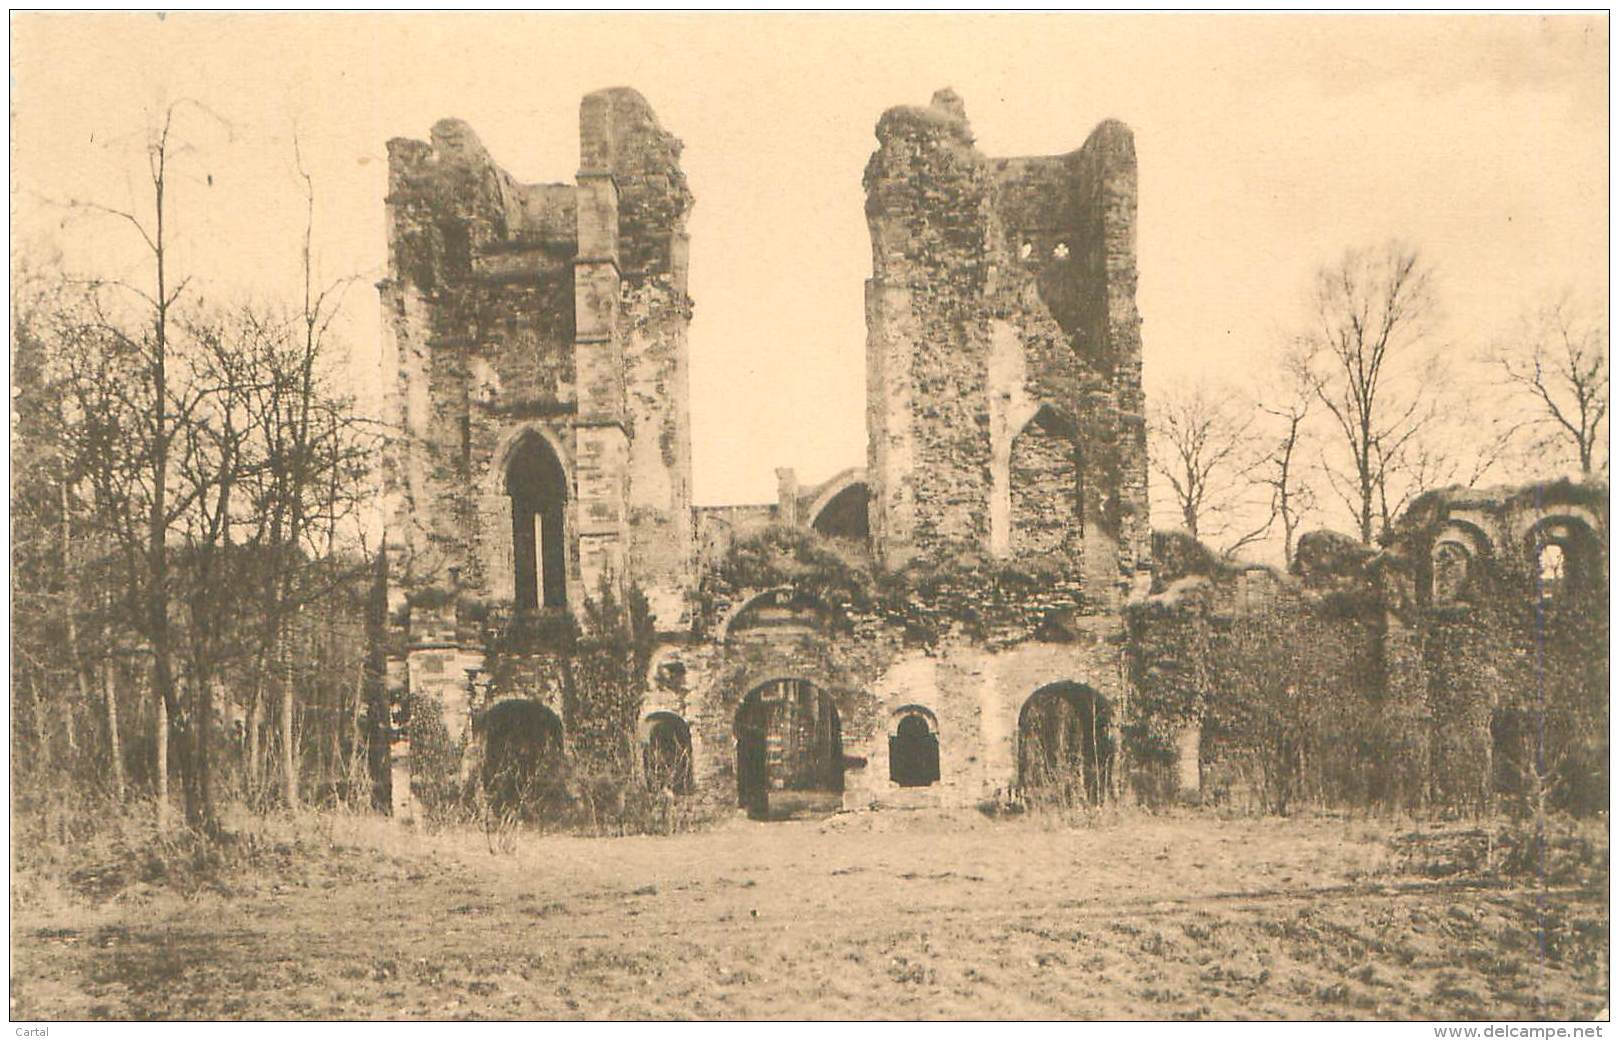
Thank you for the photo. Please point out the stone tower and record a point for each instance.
(1004, 353)
(536, 334)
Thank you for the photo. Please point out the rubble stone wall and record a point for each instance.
(1003, 289)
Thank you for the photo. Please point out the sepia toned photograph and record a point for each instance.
(810, 517)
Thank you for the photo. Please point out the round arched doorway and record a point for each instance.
(789, 749)
(913, 748)
(1065, 744)
(522, 761)
(666, 753)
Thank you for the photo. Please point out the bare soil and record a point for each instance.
(911, 915)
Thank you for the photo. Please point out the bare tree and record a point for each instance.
(1368, 362)
(190, 472)
(313, 451)
(1281, 469)
(1556, 363)
(1202, 449)
(150, 423)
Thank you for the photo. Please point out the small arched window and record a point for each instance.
(1450, 567)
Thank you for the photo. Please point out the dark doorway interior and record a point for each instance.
(913, 753)
(1065, 750)
(787, 740)
(522, 753)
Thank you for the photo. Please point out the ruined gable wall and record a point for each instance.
(1066, 284)
(548, 307)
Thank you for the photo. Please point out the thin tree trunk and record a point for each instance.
(202, 747)
(162, 729)
(289, 757)
(42, 720)
(351, 769)
(250, 742)
(115, 746)
(70, 732)
(75, 651)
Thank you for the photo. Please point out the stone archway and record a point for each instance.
(666, 753)
(1065, 745)
(522, 761)
(845, 514)
(789, 749)
(913, 749)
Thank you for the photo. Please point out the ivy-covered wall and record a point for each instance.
(1373, 677)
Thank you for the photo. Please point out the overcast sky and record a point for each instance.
(1267, 145)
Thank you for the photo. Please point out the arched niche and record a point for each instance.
(913, 747)
(1044, 482)
(666, 752)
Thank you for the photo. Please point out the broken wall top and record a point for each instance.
(452, 181)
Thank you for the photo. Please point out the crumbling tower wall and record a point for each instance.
(536, 334)
(556, 310)
(1004, 352)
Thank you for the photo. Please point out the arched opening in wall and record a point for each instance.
(845, 515)
(1566, 561)
(788, 741)
(1514, 747)
(522, 760)
(539, 492)
(913, 750)
(1065, 747)
(1551, 570)
(1045, 482)
(666, 754)
(1451, 562)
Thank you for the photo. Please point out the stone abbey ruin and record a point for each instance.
(979, 614)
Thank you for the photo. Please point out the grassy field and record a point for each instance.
(897, 915)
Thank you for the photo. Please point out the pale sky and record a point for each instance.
(1267, 145)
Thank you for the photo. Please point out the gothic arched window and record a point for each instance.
(539, 493)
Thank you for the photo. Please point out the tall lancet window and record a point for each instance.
(539, 493)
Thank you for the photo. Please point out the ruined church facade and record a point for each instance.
(538, 339)
(975, 614)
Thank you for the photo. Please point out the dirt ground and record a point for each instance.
(899, 915)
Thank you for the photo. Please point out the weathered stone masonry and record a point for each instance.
(548, 323)
(532, 321)
(539, 338)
